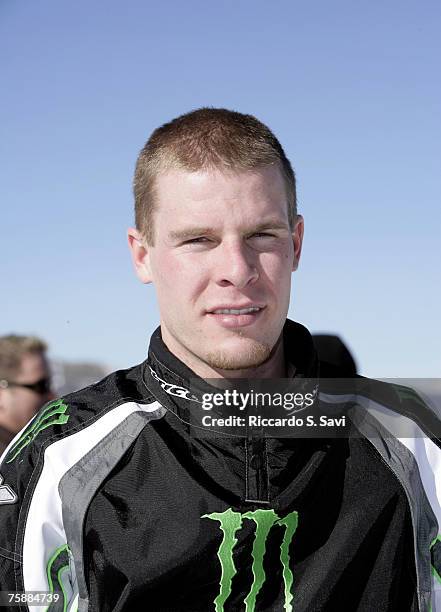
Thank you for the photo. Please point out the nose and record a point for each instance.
(237, 266)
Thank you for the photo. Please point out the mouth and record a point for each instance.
(236, 311)
(231, 317)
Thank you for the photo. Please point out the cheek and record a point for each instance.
(183, 278)
(167, 274)
(277, 268)
(22, 407)
(30, 403)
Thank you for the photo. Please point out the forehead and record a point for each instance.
(210, 196)
(33, 366)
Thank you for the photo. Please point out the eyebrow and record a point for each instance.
(191, 232)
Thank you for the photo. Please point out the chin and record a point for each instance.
(239, 357)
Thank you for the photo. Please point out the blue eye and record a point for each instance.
(196, 240)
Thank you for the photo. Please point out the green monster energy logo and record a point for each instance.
(52, 414)
(57, 565)
(230, 523)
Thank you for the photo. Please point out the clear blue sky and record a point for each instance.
(352, 89)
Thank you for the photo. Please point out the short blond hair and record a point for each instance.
(205, 139)
(12, 349)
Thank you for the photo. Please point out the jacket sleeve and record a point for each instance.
(34, 553)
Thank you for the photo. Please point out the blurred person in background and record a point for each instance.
(25, 383)
(332, 350)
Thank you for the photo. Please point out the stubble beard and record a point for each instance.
(254, 355)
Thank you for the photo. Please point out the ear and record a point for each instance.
(140, 253)
(297, 238)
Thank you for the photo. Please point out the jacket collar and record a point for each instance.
(177, 387)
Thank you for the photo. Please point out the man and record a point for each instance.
(24, 383)
(120, 498)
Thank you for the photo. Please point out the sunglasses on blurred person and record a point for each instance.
(41, 387)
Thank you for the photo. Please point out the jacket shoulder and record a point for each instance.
(71, 413)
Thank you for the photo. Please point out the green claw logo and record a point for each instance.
(52, 414)
(230, 523)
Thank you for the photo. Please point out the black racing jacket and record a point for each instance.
(111, 499)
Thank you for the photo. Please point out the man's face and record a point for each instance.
(223, 245)
(19, 404)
